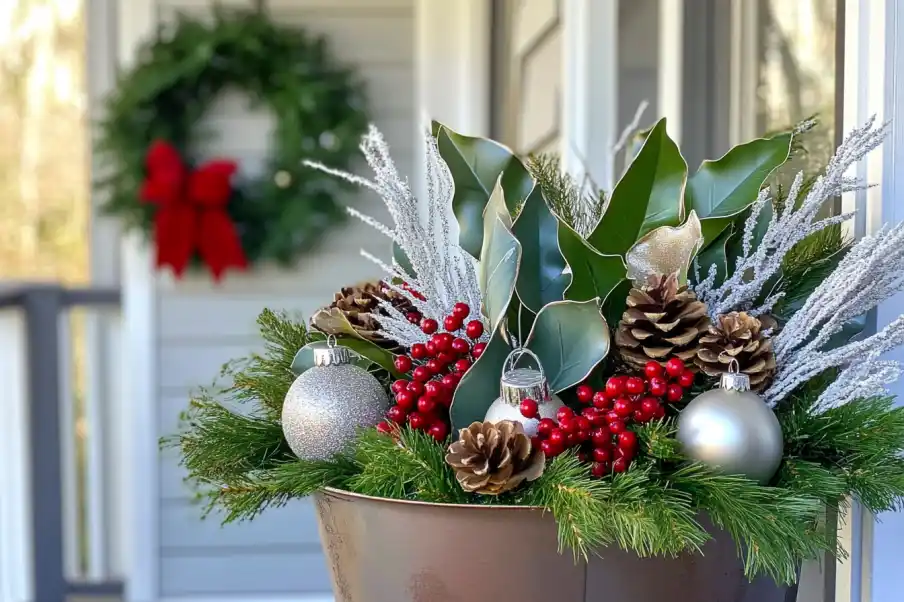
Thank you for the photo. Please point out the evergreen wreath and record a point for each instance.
(319, 109)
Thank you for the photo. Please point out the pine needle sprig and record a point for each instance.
(574, 204)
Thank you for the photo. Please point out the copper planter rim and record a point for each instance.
(342, 493)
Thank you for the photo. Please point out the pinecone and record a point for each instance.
(662, 320)
(492, 458)
(355, 303)
(739, 336)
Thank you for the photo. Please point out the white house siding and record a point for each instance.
(201, 325)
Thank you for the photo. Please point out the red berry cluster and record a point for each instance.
(434, 370)
(600, 431)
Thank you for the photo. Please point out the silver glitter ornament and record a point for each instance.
(518, 384)
(327, 404)
(732, 429)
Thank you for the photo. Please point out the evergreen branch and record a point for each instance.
(567, 199)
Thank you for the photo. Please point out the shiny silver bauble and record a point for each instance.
(327, 405)
(733, 431)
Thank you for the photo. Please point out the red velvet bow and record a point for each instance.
(191, 215)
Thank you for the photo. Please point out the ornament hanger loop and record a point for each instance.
(516, 354)
(331, 340)
(734, 367)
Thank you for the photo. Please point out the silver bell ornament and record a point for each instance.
(328, 403)
(732, 430)
(518, 384)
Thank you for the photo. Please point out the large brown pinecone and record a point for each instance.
(359, 304)
(739, 336)
(663, 320)
(492, 458)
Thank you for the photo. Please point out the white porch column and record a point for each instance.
(590, 88)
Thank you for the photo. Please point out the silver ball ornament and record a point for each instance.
(732, 430)
(328, 403)
(518, 384)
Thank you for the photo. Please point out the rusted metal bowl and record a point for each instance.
(382, 550)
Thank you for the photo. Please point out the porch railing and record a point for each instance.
(58, 527)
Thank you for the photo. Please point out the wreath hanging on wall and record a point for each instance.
(211, 211)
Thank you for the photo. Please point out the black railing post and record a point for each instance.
(43, 306)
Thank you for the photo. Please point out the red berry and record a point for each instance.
(639, 416)
(648, 405)
(419, 351)
(384, 427)
(429, 326)
(602, 454)
(434, 366)
(406, 400)
(461, 310)
(564, 412)
(611, 415)
(616, 427)
(615, 386)
(568, 424)
(451, 323)
(582, 423)
(443, 341)
(438, 430)
(477, 350)
(474, 329)
(425, 405)
(421, 373)
(599, 469)
(431, 349)
(417, 421)
(627, 440)
(414, 317)
(415, 387)
(601, 400)
(583, 436)
(460, 346)
(402, 363)
(652, 369)
(545, 427)
(658, 386)
(660, 413)
(573, 439)
(620, 464)
(529, 408)
(583, 457)
(397, 414)
(594, 416)
(462, 365)
(674, 367)
(557, 437)
(445, 358)
(584, 393)
(601, 437)
(433, 389)
(551, 449)
(399, 386)
(450, 381)
(634, 385)
(686, 379)
(675, 393)
(623, 407)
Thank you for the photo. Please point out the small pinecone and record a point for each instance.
(492, 458)
(662, 320)
(356, 302)
(739, 336)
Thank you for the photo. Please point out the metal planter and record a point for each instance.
(381, 550)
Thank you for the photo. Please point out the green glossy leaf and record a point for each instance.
(498, 269)
(725, 187)
(540, 279)
(333, 321)
(648, 196)
(570, 338)
(716, 253)
(480, 386)
(476, 164)
(616, 302)
(593, 274)
(304, 359)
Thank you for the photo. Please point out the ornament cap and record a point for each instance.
(518, 384)
(734, 380)
(332, 354)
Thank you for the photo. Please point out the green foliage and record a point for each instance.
(578, 209)
(479, 387)
(593, 274)
(181, 73)
(540, 278)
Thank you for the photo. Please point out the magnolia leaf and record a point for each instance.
(402, 259)
(333, 321)
(648, 196)
(540, 279)
(723, 188)
(570, 338)
(476, 164)
(716, 254)
(479, 387)
(664, 251)
(498, 270)
(304, 359)
(616, 302)
(593, 274)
